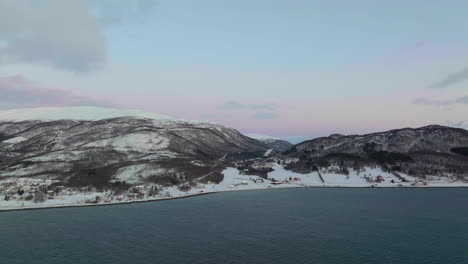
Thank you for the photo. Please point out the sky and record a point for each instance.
(293, 69)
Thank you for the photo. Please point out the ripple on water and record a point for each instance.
(275, 226)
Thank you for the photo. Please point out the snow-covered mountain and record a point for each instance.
(421, 151)
(139, 148)
(407, 140)
(84, 146)
(272, 142)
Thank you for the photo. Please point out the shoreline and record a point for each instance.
(4, 210)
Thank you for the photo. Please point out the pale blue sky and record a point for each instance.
(314, 44)
(286, 35)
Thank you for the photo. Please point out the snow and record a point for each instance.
(136, 141)
(57, 201)
(20, 171)
(78, 112)
(280, 173)
(268, 152)
(15, 140)
(161, 154)
(232, 177)
(60, 156)
(137, 173)
(234, 181)
(351, 180)
(129, 173)
(261, 137)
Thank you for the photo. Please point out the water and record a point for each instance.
(271, 226)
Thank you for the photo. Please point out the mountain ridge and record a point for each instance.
(416, 151)
(69, 146)
(140, 149)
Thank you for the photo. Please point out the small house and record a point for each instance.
(432, 178)
(379, 179)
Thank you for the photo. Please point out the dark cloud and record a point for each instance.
(265, 116)
(59, 33)
(233, 105)
(452, 79)
(16, 92)
(460, 100)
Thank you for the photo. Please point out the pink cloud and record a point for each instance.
(18, 92)
(296, 116)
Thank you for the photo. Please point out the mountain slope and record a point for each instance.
(406, 140)
(421, 151)
(131, 149)
(272, 142)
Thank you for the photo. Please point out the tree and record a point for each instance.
(356, 166)
(345, 171)
(39, 197)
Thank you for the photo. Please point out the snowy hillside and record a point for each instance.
(272, 142)
(261, 136)
(416, 151)
(149, 148)
(99, 155)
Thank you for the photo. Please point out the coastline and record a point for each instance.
(2, 210)
(234, 181)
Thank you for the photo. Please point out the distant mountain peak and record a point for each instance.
(335, 136)
(261, 136)
(272, 142)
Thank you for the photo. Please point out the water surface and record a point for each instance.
(314, 225)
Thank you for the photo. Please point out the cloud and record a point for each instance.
(459, 124)
(233, 105)
(17, 92)
(459, 100)
(265, 116)
(110, 13)
(261, 106)
(452, 79)
(59, 33)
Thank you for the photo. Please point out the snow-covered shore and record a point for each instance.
(234, 181)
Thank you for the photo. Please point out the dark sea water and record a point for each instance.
(316, 225)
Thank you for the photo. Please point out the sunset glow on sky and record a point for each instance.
(289, 69)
